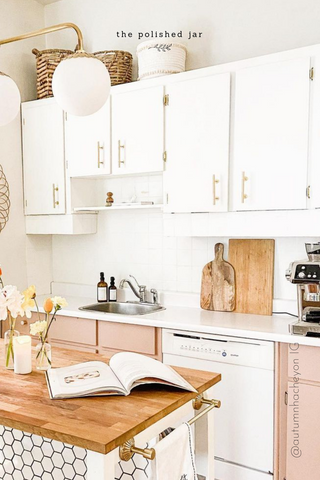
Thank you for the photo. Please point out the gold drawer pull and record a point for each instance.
(214, 182)
(54, 190)
(244, 196)
(119, 153)
(100, 147)
(24, 322)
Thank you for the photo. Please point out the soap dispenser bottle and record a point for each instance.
(112, 291)
(102, 289)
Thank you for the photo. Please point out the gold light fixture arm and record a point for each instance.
(44, 31)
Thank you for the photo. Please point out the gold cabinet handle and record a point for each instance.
(214, 182)
(244, 196)
(100, 147)
(54, 190)
(24, 322)
(119, 153)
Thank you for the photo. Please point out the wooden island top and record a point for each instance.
(97, 423)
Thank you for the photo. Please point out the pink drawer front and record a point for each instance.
(76, 330)
(126, 337)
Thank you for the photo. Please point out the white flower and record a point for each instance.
(38, 328)
(13, 301)
(3, 306)
(59, 302)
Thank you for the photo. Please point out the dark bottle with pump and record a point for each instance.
(112, 291)
(102, 289)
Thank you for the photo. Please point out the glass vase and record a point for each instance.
(8, 347)
(43, 356)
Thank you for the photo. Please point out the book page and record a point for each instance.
(134, 369)
(83, 379)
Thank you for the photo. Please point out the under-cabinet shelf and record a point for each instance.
(119, 207)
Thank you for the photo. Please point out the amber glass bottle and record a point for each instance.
(102, 289)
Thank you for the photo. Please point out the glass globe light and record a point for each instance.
(81, 84)
(9, 99)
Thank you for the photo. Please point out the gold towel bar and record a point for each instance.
(127, 449)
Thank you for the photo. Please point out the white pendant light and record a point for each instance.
(9, 99)
(81, 84)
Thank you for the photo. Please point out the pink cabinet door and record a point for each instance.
(303, 432)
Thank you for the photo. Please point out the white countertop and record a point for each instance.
(274, 328)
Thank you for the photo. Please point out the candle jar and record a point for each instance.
(9, 335)
(43, 356)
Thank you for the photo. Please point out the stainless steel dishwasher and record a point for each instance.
(244, 425)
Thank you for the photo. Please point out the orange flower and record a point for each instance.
(48, 305)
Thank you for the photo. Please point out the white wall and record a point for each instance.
(16, 17)
(129, 242)
(231, 29)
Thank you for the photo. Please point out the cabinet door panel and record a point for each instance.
(271, 136)
(197, 145)
(137, 131)
(43, 158)
(303, 427)
(88, 143)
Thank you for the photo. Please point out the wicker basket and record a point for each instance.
(118, 63)
(47, 61)
(156, 59)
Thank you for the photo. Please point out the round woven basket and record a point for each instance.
(118, 63)
(156, 59)
(46, 62)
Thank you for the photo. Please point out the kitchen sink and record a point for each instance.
(123, 308)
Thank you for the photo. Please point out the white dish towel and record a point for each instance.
(174, 456)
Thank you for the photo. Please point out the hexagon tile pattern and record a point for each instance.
(24, 456)
(138, 468)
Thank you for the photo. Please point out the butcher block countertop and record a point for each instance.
(98, 423)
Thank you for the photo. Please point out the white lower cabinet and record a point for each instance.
(137, 131)
(197, 145)
(43, 158)
(270, 136)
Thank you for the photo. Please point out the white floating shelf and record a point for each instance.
(119, 207)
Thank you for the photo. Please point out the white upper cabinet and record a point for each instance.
(270, 136)
(88, 148)
(197, 145)
(137, 131)
(43, 158)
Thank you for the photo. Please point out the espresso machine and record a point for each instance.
(306, 275)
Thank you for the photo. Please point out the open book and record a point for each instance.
(124, 372)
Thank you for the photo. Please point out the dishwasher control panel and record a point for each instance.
(219, 348)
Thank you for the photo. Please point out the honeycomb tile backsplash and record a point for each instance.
(24, 456)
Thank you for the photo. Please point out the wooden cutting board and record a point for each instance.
(253, 261)
(218, 284)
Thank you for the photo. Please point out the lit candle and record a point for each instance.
(22, 354)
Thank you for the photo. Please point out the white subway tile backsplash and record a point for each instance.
(183, 257)
(169, 225)
(157, 248)
(169, 242)
(199, 258)
(169, 257)
(199, 243)
(184, 243)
